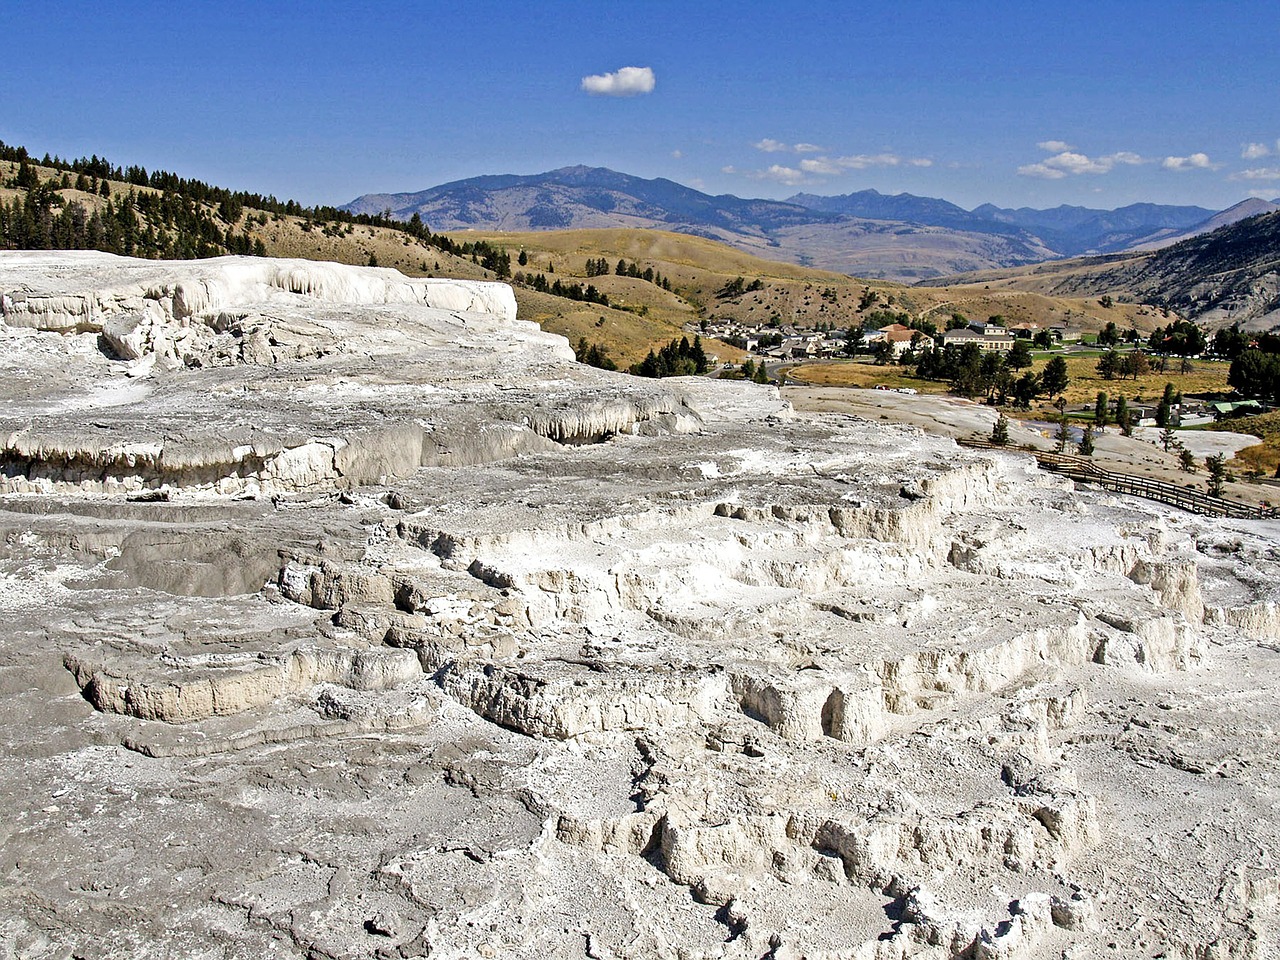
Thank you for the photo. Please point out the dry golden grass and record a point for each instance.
(1085, 383)
(850, 373)
(1083, 388)
(1265, 457)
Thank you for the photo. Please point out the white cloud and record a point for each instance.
(787, 175)
(1257, 173)
(1041, 170)
(862, 161)
(1054, 146)
(1196, 161)
(627, 82)
(1070, 163)
(1254, 151)
(677, 154)
(823, 166)
(820, 165)
(1077, 163)
(769, 145)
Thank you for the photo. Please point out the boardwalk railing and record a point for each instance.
(1084, 470)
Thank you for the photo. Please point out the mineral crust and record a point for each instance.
(347, 616)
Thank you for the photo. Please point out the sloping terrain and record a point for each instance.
(1251, 207)
(1231, 275)
(347, 616)
(787, 294)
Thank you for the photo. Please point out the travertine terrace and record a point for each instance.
(349, 617)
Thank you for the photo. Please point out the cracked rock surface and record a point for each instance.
(348, 617)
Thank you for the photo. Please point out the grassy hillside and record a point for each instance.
(641, 315)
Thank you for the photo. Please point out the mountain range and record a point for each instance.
(866, 234)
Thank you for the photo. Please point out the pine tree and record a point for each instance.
(1000, 431)
(1217, 467)
(1055, 378)
(1085, 446)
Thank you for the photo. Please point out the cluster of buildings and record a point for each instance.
(987, 335)
(789, 343)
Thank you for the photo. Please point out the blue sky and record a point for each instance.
(1037, 104)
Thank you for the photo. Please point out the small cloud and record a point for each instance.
(1126, 157)
(1196, 161)
(1077, 163)
(627, 82)
(768, 145)
(862, 161)
(1255, 151)
(1054, 146)
(787, 175)
(777, 173)
(1071, 163)
(677, 154)
(822, 166)
(1257, 173)
(1041, 170)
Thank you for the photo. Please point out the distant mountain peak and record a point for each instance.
(868, 233)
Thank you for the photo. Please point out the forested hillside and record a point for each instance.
(90, 204)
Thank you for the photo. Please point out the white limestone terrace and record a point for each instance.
(262, 376)
(733, 684)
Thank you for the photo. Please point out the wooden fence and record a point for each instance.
(1083, 470)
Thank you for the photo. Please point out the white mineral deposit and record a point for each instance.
(347, 616)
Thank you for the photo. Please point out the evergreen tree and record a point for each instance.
(1123, 420)
(1000, 431)
(1064, 432)
(1085, 446)
(1217, 467)
(1020, 355)
(1101, 410)
(1109, 365)
(1054, 378)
